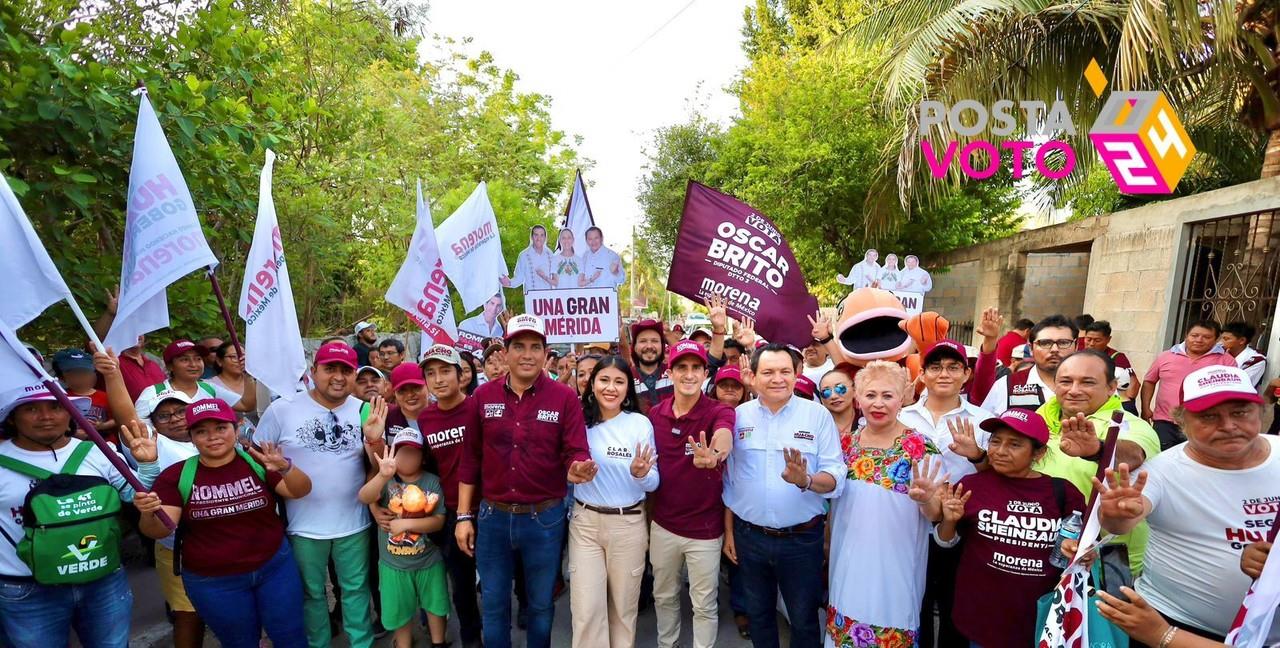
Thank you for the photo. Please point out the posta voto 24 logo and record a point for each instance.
(1137, 134)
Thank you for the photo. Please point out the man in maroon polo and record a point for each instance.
(530, 436)
(693, 434)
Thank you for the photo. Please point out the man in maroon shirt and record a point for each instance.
(445, 425)
(1016, 337)
(139, 371)
(529, 433)
(693, 434)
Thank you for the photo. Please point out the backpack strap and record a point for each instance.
(1060, 494)
(207, 388)
(187, 479)
(77, 457)
(24, 468)
(257, 467)
(365, 409)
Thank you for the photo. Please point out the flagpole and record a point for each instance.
(226, 314)
(84, 323)
(114, 457)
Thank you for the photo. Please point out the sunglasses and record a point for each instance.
(840, 390)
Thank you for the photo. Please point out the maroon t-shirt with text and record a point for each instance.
(688, 499)
(1009, 529)
(230, 525)
(446, 432)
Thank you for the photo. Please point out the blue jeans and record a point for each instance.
(537, 538)
(791, 564)
(237, 607)
(37, 616)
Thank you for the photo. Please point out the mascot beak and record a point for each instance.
(871, 326)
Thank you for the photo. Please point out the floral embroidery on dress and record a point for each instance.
(568, 266)
(848, 633)
(888, 468)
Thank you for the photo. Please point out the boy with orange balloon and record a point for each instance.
(410, 567)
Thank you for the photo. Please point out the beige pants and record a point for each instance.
(669, 552)
(606, 564)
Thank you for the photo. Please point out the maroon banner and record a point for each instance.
(727, 248)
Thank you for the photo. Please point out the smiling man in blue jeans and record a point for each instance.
(531, 434)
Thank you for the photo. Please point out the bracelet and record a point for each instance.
(981, 458)
(1168, 637)
(1097, 456)
(465, 517)
(825, 339)
(715, 332)
(807, 485)
(287, 468)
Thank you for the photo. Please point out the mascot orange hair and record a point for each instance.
(871, 324)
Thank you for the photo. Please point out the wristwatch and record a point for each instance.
(981, 458)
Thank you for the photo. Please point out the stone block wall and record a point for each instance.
(954, 293)
(1054, 283)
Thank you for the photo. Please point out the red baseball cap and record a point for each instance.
(946, 347)
(1023, 421)
(406, 373)
(337, 352)
(1209, 386)
(686, 348)
(729, 373)
(209, 409)
(177, 348)
(805, 386)
(646, 325)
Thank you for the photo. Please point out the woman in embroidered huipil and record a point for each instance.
(879, 528)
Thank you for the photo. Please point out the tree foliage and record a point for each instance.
(337, 89)
(805, 151)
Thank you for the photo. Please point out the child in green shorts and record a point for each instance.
(410, 567)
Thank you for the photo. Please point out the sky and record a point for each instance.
(615, 71)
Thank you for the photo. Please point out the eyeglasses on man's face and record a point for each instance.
(1063, 345)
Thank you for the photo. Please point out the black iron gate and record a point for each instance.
(1232, 273)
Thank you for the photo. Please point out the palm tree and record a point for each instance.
(1215, 61)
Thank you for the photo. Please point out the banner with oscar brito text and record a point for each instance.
(726, 247)
(162, 241)
(575, 315)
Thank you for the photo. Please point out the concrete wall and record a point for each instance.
(954, 292)
(1132, 261)
(1054, 283)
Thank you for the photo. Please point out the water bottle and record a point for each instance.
(1070, 529)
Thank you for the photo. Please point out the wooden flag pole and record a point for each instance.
(226, 314)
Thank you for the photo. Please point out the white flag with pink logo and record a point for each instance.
(421, 287)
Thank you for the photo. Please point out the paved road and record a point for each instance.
(151, 630)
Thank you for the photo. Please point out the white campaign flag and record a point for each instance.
(17, 368)
(420, 287)
(31, 283)
(471, 250)
(162, 236)
(272, 344)
(577, 215)
(1253, 622)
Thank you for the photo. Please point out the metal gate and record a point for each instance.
(1232, 273)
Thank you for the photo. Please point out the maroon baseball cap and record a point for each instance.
(646, 325)
(406, 373)
(337, 352)
(729, 373)
(1209, 386)
(805, 386)
(177, 348)
(1023, 421)
(945, 347)
(214, 409)
(686, 348)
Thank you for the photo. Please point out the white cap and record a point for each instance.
(525, 323)
(364, 325)
(443, 353)
(407, 436)
(1214, 385)
(31, 394)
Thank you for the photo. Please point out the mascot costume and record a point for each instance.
(871, 324)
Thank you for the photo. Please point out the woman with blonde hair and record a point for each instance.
(880, 523)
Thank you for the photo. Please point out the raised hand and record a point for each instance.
(1079, 438)
(581, 472)
(141, 443)
(1120, 499)
(642, 462)
(387, 463)
(797, 469)
(113, 300)
(953, 500)
(376, 423)
(106, 363)
(745, 334)
(926, 479)
(821, 325)
(717, 312)
(503, 317)
(703, 455)
(991, 323)
(1253, 558)
(270, 457)
(963, 440)
(505, 281)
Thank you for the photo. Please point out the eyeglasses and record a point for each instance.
(1063, 345)
(840, 390)
(165, 418)
(953, 369)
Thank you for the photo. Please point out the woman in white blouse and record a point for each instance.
(608, 536)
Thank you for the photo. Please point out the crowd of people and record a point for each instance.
(871, 505)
